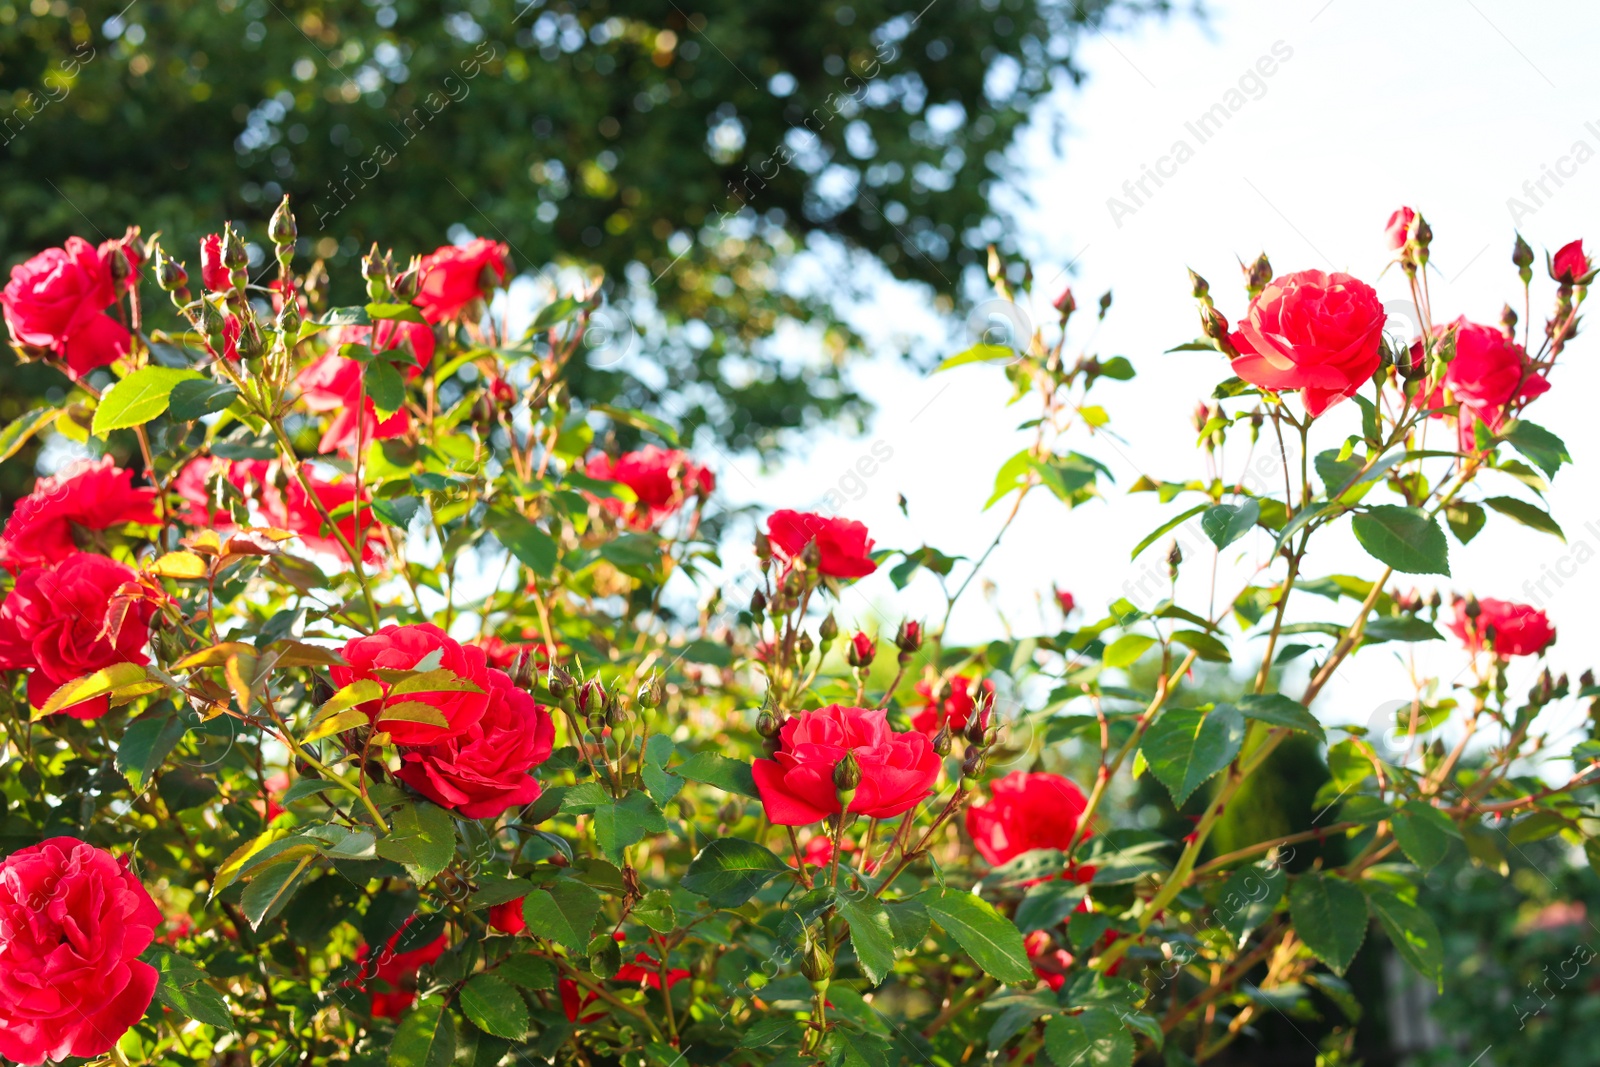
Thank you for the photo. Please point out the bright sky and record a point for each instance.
(1449, 106)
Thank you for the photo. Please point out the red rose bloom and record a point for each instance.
(54, 622)
(1311, 331)
(214, 274)
(94, 494)
(484, 771)
(332, 383)
(1026, 811)
(1569, 263)
(646, 970)
(1488, 375)
(1505, 628)
(1398, 229)
(73, 920)
(1050, 961)
(452, 277)
(662, 479)
(843, 544)
(574, 1000)
(796, 785)
(57, 300)
(508, 918)
(396, 972)
(957, 707)
(402, 648)
(291, 509)
(503, 654)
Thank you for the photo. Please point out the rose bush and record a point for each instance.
(375, 697)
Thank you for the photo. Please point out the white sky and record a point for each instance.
(1448, 105)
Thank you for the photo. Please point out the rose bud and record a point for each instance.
(909, 637)
(805, 644)
(862, 650)
(941, 741)
(651, 692)
(1065, 304)
(1258, 274)
(829, 629)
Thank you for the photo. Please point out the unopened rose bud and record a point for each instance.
(408, 283)
(1586, 679)
(1174, 558)
(847, 773)
(862, 650)
(213, 325)
(794, 583)
(763, 547)
(942, 741)
(767, 724)
(1065, 304)
(1522, 256)
(1257, 275)
(170, 274)
(522, 670)
(651, 692)
(811, 555)
(1434, 600)
(817, 966)
(1199, 286)
(1422, 233)
(234, 256)
(908, 638)
(829, 629)
(1105, 303)
(974, 730)
(375, 269)
(251, 344)
(972, 765)
(732, 811)
(558, 681)
(805, 644)
(1508, 322)
(1473, 609)
(282, 228)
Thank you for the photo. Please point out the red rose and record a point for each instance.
(396, 971)
(796, 785)
(1569, 263)
(57, 299)
(126, 247)
(1311, 331)
(662, 479)
(1505, 628)
(484, 771)
(1065, 601)
(73, 920)
(503, 654)
(1487, 375)
(333, 383)
(1398, 229)
(453, 277)
(575, 1000)
(214, 274)
(956, 708)
(194, 486)
(94, 494)
(54, 622)
(508, 918)
(402, 648)
(649, 974)
(863, 650)
(1050, 961)
(292, 509)
(843, 544)
(1026, 811)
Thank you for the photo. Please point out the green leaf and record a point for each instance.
(1398, 628)
(1204, 645)
(1424, 833)
(195, 397)
(1185, 748)
(1248, 898)
(1126, 650)
(1527, 514)
(426, 1036)
(531, 545)
(730, 870)
(146, 743)
(494, 1007)
(384, 386)
(1013, 474)
(662, 784)
(422, 838)
(870, 933)
(271, 889)
(1048, 903)
(910, 921)
(137, 399)
(853, 1048)
(993, 942)
(978, 354)
(1226, 523)
(1407, 539)
(565, 913)
(643, 421)
(1172, 523)
(1093, 1038)
(1330, 916)
(1465, 520)
(1412, 933)
(1117, 368)
(527, 971)
(16, 433)
(729, 775)
(396, 312)
(182, 987)
(655, 910)
(1543, 448)
(625, 822)
(1279, 710)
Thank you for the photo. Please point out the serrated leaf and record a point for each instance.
(564, 913)
(625, 822)
(16, 433)
(527, 971)
(494, 1007)
(137, 399)
(870, 933)
(1248, 898)
(992, 940)
(146, 743)
(1407, 539)
(1185, 748)
(531, 545)
(194, 397)
(1423, 832)
(1412, 932)
(1093, 1038)
(1330, 915)
(1543, 448)
(422, 838)
(426, 1036)
(272, 888)
(1126, 650)
(710, 768)
(1527, 514)
(104, 682)
(1226, 523)
(1279, 710)
(730, 870)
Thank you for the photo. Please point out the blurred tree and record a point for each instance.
(688, 151)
